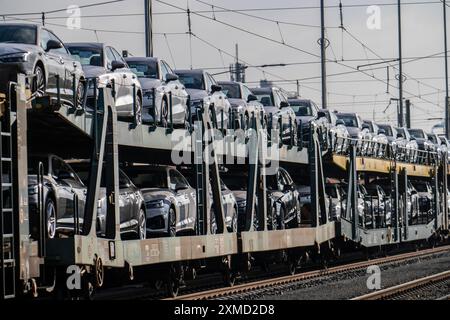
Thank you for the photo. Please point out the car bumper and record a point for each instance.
(157, 220)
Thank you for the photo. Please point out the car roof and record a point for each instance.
(142, 59)
(188, 71)
(354, 114)
(229, 82)
(18, 24)
(85, 44)
(262, 90)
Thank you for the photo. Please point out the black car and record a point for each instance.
(131, 203)
(32, 49)
(280, 115)
(156, 75)
(61, 184)
(284, 205)
(201, 85)
(243, 102)
(306, 111)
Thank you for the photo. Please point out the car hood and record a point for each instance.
(149, 83)
(240, 195)
(196, 94)
(10, 48)
(156, 194)
(353, 131)
(236, 102)
(93, 71)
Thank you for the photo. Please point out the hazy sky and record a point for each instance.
(422, 36)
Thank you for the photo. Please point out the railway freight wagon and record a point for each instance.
(86, 231)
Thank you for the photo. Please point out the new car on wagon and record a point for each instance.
(38, 53)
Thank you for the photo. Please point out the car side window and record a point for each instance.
(117, 56)
(208, 82)
(276, 98)
(109, 58)
(164, 71)
(62, 50)
(45, 36)
(168, 68)
(124, 182)
(245, 93)
(176, 179)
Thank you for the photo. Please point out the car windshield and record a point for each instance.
(387, 130)
(416, 133)
(18, 34)
(192, 81)
(148, 69)
(88, 56)
(231, 90)
(235, 182)
(421, 187)
(265, 99)
(301, 108)
(372, 190)
(148, 179)
(349, 120)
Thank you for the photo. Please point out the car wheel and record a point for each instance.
(142, 225)
(213, 223)
(138, 114)
(246, 125)
(38, 87)
(50, 213)
(295, 134)
(274, 219)
(172, 223)
(80, 93)
(164, 113)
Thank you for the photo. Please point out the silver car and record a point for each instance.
(38, 52)
(169, 199)
(156, 75)
(104, 63)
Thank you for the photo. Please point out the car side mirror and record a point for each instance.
(215, 88)
(252, 97)
(284, 104)
(117, 65)
(53, 45)
(171, 77)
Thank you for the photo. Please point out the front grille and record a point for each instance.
(156, 222)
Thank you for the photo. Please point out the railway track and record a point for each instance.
(242, 289)
(435, 286)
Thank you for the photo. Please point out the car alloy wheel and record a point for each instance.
(50, 212)
(142, 225)
(80, 94)
(39, 81)
(164, 113)
(138, 115)
(172, 223)
(213, 224)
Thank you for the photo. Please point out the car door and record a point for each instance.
(119, 88)
(289, 191)
(179, 94)
(66, 65)
(78, 189)
(52, 65)
(64, 194)
(125, 204)
(128, 77)
(181, 198)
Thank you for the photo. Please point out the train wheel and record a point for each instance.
(229, 277)
(174, 280)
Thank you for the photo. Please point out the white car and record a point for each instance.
(104, 63)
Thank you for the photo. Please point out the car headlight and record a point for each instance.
(155, 204)
(15, 57)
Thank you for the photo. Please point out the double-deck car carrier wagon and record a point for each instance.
(45, 125)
